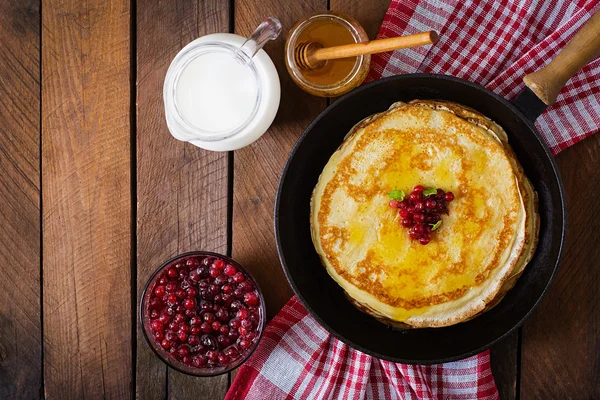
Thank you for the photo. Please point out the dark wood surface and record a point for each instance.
(95, 194)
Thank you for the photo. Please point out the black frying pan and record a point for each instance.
(325, 299)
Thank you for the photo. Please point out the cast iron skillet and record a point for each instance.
(325, 300)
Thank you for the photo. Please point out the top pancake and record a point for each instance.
(365, 250)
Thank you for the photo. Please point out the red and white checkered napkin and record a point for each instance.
(298, 359)
(495, 44)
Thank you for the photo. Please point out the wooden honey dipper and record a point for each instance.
(312, 55)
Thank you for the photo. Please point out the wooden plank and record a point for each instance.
(504, 361)
(87, 199)
(181, 190)
(561, 342)
(20, 317)
(257, 167)
(368, 12)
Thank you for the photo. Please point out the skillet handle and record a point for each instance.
(547, 82)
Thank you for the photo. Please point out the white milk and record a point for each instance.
(216, 101)
(216, 93)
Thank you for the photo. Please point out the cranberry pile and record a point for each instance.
(204, 312)
(421, 211)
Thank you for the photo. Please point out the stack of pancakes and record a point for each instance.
(482, 246)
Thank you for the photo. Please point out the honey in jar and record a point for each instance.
(334, 77)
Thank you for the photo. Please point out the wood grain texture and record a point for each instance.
(181, 189)
(20, 317)
(257, 168)
(368, 12)
(86, 199)
(504, 362)
(561, 341)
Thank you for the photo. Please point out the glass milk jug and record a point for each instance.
(222, 90)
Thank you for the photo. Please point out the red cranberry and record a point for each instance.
(190, 313)
(420, 228)
(413, 233)
(182, 336)
(235, 323)
(420, 206)
(157, 325)
(246, 286)
(440, 194)
(165, 344)
(159, 291)
(214, 272)
(189, 303)
(431, 204)
(223, 341)
(192, 262)
(196, 321)
(216, 325)
(227, 289)
(230, 270)
(227, 298)
(419, 217)
(209, 317)
(243, 331)
(173, 326)
(171, 287)
(155, 303)
(418, 188)
(403, 205)
(159, 335)
(236, 305)
(218, 298)
(164, 318)
(449, 197)
(196, 330)
(222, 315)
(203, 284)
(191, 292)
(199, 361)
(219, 264)
(212, 355)
(394, 203)
(206, 327)
(172, 272)
(238, 293)
(242, 313)
(163, 280)
(224, 330)
(194, 275)
(403, 213)
(424, 239)
(180, 308)
(246, 323)
(415, 196)
(238, 277)
(407, 223)
(153, 313)
(179, 318)
(251, 298)
(223, 359)
(193, 340)
(233, 335)
(220, 280)
(206, 305)
(184, 328)
(244, 344)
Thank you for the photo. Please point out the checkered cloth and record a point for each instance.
(298, 359)
(495, 44)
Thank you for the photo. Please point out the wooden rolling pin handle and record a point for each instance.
(375, 46)
(547, 82)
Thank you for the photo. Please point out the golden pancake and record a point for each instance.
(487, 233)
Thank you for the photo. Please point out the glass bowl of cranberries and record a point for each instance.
(202, 313)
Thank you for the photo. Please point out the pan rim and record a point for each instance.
(383, 81)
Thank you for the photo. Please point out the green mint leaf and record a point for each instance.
(429, 191)
(436, 225)
(397, 194)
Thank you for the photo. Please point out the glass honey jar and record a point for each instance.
(334, 77)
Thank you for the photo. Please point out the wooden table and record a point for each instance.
(95, 194)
